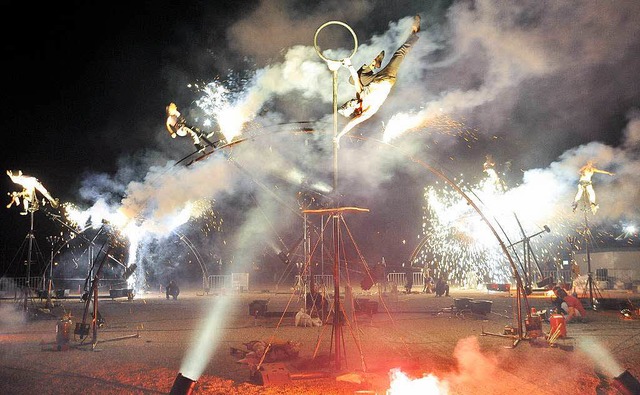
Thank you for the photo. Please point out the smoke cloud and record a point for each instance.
(522, 79)
(544, 87)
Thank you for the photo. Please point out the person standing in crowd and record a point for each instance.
(427, 288)
(380, 276)
(408, 284)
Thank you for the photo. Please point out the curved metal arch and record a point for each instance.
(503, 246)
(196, 254)
(181, 236)
(79, 233)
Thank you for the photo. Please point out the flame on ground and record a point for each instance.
(428, 384)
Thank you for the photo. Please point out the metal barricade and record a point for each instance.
(219, 282)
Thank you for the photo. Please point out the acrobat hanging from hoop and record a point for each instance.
(586, 187)
(28, 194)
(372, 88)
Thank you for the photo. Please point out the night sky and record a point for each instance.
(86, 85)
(543, 87)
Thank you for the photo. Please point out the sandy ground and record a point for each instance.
(142, 346)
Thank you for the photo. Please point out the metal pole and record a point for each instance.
(335, 131)
(30, 248)
(334, 65)
(50, 285)
(95, 322)
(337, 313)
(586, 243)
(322, 245)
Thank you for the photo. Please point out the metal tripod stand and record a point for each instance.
(528, 255)
(31, 242)
(590, 286)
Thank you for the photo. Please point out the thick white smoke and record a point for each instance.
(543, 79)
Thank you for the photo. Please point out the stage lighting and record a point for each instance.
(627, 384)
(182, 385)
(129, 271)
(284, 257)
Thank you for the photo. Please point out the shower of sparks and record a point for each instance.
(440, 122)
(210, 219)
(222, 106)
(629, 232)
(459, 244)
(131, 234)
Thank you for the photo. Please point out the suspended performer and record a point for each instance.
(372, 88)
(176, 125)
(489, 168)
(28, 194)
(585, 186)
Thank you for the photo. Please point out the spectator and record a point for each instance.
(408, 285)
(380, 276)
(442, 288)
(569, 305)
(172, 290)
(427, 288)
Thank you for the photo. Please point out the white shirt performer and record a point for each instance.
(177, 127)
(372, 88)
(489, 168)
(585, 185)
(28, 194)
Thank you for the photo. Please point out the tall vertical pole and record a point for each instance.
(94, 322)
(337, 313)
(305, 243)
(335, 131)
(334, 65)
(586, 243)
(27, 286)
(322, 245)
(50, 282)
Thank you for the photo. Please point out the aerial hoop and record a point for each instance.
(319, 51)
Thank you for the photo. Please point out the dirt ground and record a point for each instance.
(413, 344)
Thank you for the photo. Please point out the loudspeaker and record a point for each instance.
(121, 293)
(482, 307)
(258, 308)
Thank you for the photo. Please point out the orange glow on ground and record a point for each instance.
(428, 384)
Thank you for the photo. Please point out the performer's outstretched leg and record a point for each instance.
(591, 194)
(576, 200)
(375, 93)
(390, 71)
